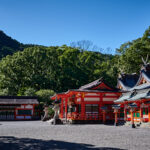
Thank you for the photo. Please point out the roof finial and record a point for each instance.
(121, 72)
(145, 61)
(147, 58)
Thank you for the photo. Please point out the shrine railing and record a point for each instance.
(87, 116)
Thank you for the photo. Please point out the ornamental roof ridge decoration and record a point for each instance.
(145, 61)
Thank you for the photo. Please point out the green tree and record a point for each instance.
(131, 53)
(44, 95)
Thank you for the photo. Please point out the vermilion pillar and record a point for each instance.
(141, 114)
(82, 106)
(66, 105)
(132, 118)
(149, 114)
(104, 116)
(125, 114)
(116, 117)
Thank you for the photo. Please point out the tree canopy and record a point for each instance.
(131, 53)
(59, 68)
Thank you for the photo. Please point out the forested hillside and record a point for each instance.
(8, 46)
(61, 68)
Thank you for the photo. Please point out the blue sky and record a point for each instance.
(107, 23)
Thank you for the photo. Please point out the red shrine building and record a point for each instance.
(134, 105)
(91, 103)
(18, 108)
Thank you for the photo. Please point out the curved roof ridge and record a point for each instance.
(91, 84)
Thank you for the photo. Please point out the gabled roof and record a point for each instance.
(123, 97)
(141, 86)
(99, 85)
(95, 86)
(127, 81)
(144, 73)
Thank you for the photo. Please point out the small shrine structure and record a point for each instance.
(91, 103)
(134, 103)
(18, 108)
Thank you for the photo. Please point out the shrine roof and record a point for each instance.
(91, 85)
(123, 97)
(141, 86)
(136, 94)
(96, 91)
(144, 73)
(18, 100)
(95, 85)
(128, 81)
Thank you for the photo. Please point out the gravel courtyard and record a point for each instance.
(30, 135)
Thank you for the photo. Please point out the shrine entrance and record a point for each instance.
(92, 111)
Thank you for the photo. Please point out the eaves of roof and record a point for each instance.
(126, 88)
(140, 94)
(146, 76)
(141, 86)
(124, 97)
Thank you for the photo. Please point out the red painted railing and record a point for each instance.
(88, 116)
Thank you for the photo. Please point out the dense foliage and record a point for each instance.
(38, 68)
(131, 53)
(56, 68)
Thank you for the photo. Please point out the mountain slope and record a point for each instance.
(8, 45)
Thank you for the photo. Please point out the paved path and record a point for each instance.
(30, 135)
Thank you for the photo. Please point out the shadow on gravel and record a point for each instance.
(13, 143)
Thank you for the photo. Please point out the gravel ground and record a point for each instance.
(30, 135)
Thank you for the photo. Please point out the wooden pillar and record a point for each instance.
(141, 114)
(33, 109)
(15, 113)
(82, 107)
(132, 118)
(66, 105)
(116, 117)
(148, 113)
(104, 116)
(125, 114)
(61, 107)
